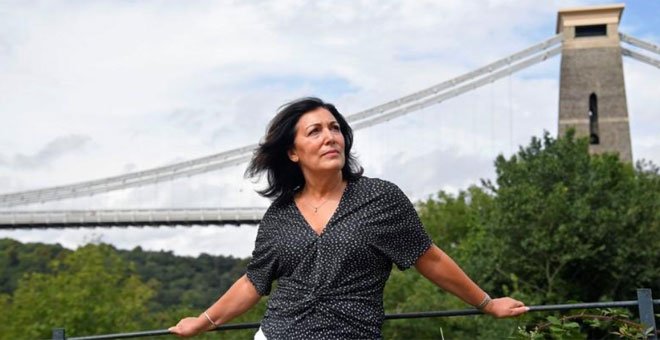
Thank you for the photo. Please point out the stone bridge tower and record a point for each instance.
(592, 94)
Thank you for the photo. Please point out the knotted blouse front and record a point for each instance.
(330, 286)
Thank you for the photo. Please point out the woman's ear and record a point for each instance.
(292, 155)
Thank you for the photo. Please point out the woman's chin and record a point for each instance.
(331, 166)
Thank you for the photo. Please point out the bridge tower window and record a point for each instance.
(593, 119)
(590, 31)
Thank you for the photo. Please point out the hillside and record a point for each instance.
(193, 282)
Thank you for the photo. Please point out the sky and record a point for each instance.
(90, 89)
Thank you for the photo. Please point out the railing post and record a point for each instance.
(646, 316)
(59, 334)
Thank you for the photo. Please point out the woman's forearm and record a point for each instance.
(240, 297)
(440, 269)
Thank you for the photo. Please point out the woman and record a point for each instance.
(330, 239)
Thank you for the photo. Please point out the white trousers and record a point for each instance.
(260, 335)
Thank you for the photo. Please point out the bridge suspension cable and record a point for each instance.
(188, 168)
(640, 57)
(380, 109)
(458, 90)
(370, 117)
(639, 43)
(642, 45)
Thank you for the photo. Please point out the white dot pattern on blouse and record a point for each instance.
(330, 286)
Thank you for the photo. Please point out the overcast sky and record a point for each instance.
(90, 89)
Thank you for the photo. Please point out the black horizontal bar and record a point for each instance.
(417, 315)
(443, 313)
(227, 327)
(589, 305)
(123, 335)
(232, 326)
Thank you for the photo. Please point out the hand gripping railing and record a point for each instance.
(644, 305)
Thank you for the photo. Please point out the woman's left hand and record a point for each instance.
(190, 326)
(505, 307)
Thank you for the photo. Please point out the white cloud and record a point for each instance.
(51, 151)
(151, 83)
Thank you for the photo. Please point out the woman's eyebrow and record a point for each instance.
(312, 124)
(330, 122)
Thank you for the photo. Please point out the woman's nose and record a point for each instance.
(328, 136)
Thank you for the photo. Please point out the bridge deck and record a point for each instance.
(132, 217)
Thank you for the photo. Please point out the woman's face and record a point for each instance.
(318, 145)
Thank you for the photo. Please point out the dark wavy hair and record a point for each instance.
(284, 176)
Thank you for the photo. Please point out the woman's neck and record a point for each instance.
(321, 186)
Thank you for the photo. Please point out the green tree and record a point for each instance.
(557, 225)
(455, 223)
(90, 291)
(185, 281)
(17, 258)
(573, 226)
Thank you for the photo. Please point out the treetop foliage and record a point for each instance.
(557, 225)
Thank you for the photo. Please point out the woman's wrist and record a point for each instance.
(205, 322)
(484, 302)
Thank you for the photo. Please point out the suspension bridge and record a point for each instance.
(12, 217)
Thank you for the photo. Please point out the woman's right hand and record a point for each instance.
(188, 327)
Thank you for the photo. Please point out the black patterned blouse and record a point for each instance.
(330, 286)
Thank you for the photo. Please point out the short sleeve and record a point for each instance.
(262, 268)
(400, 235)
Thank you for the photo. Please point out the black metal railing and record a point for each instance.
(644, 304)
